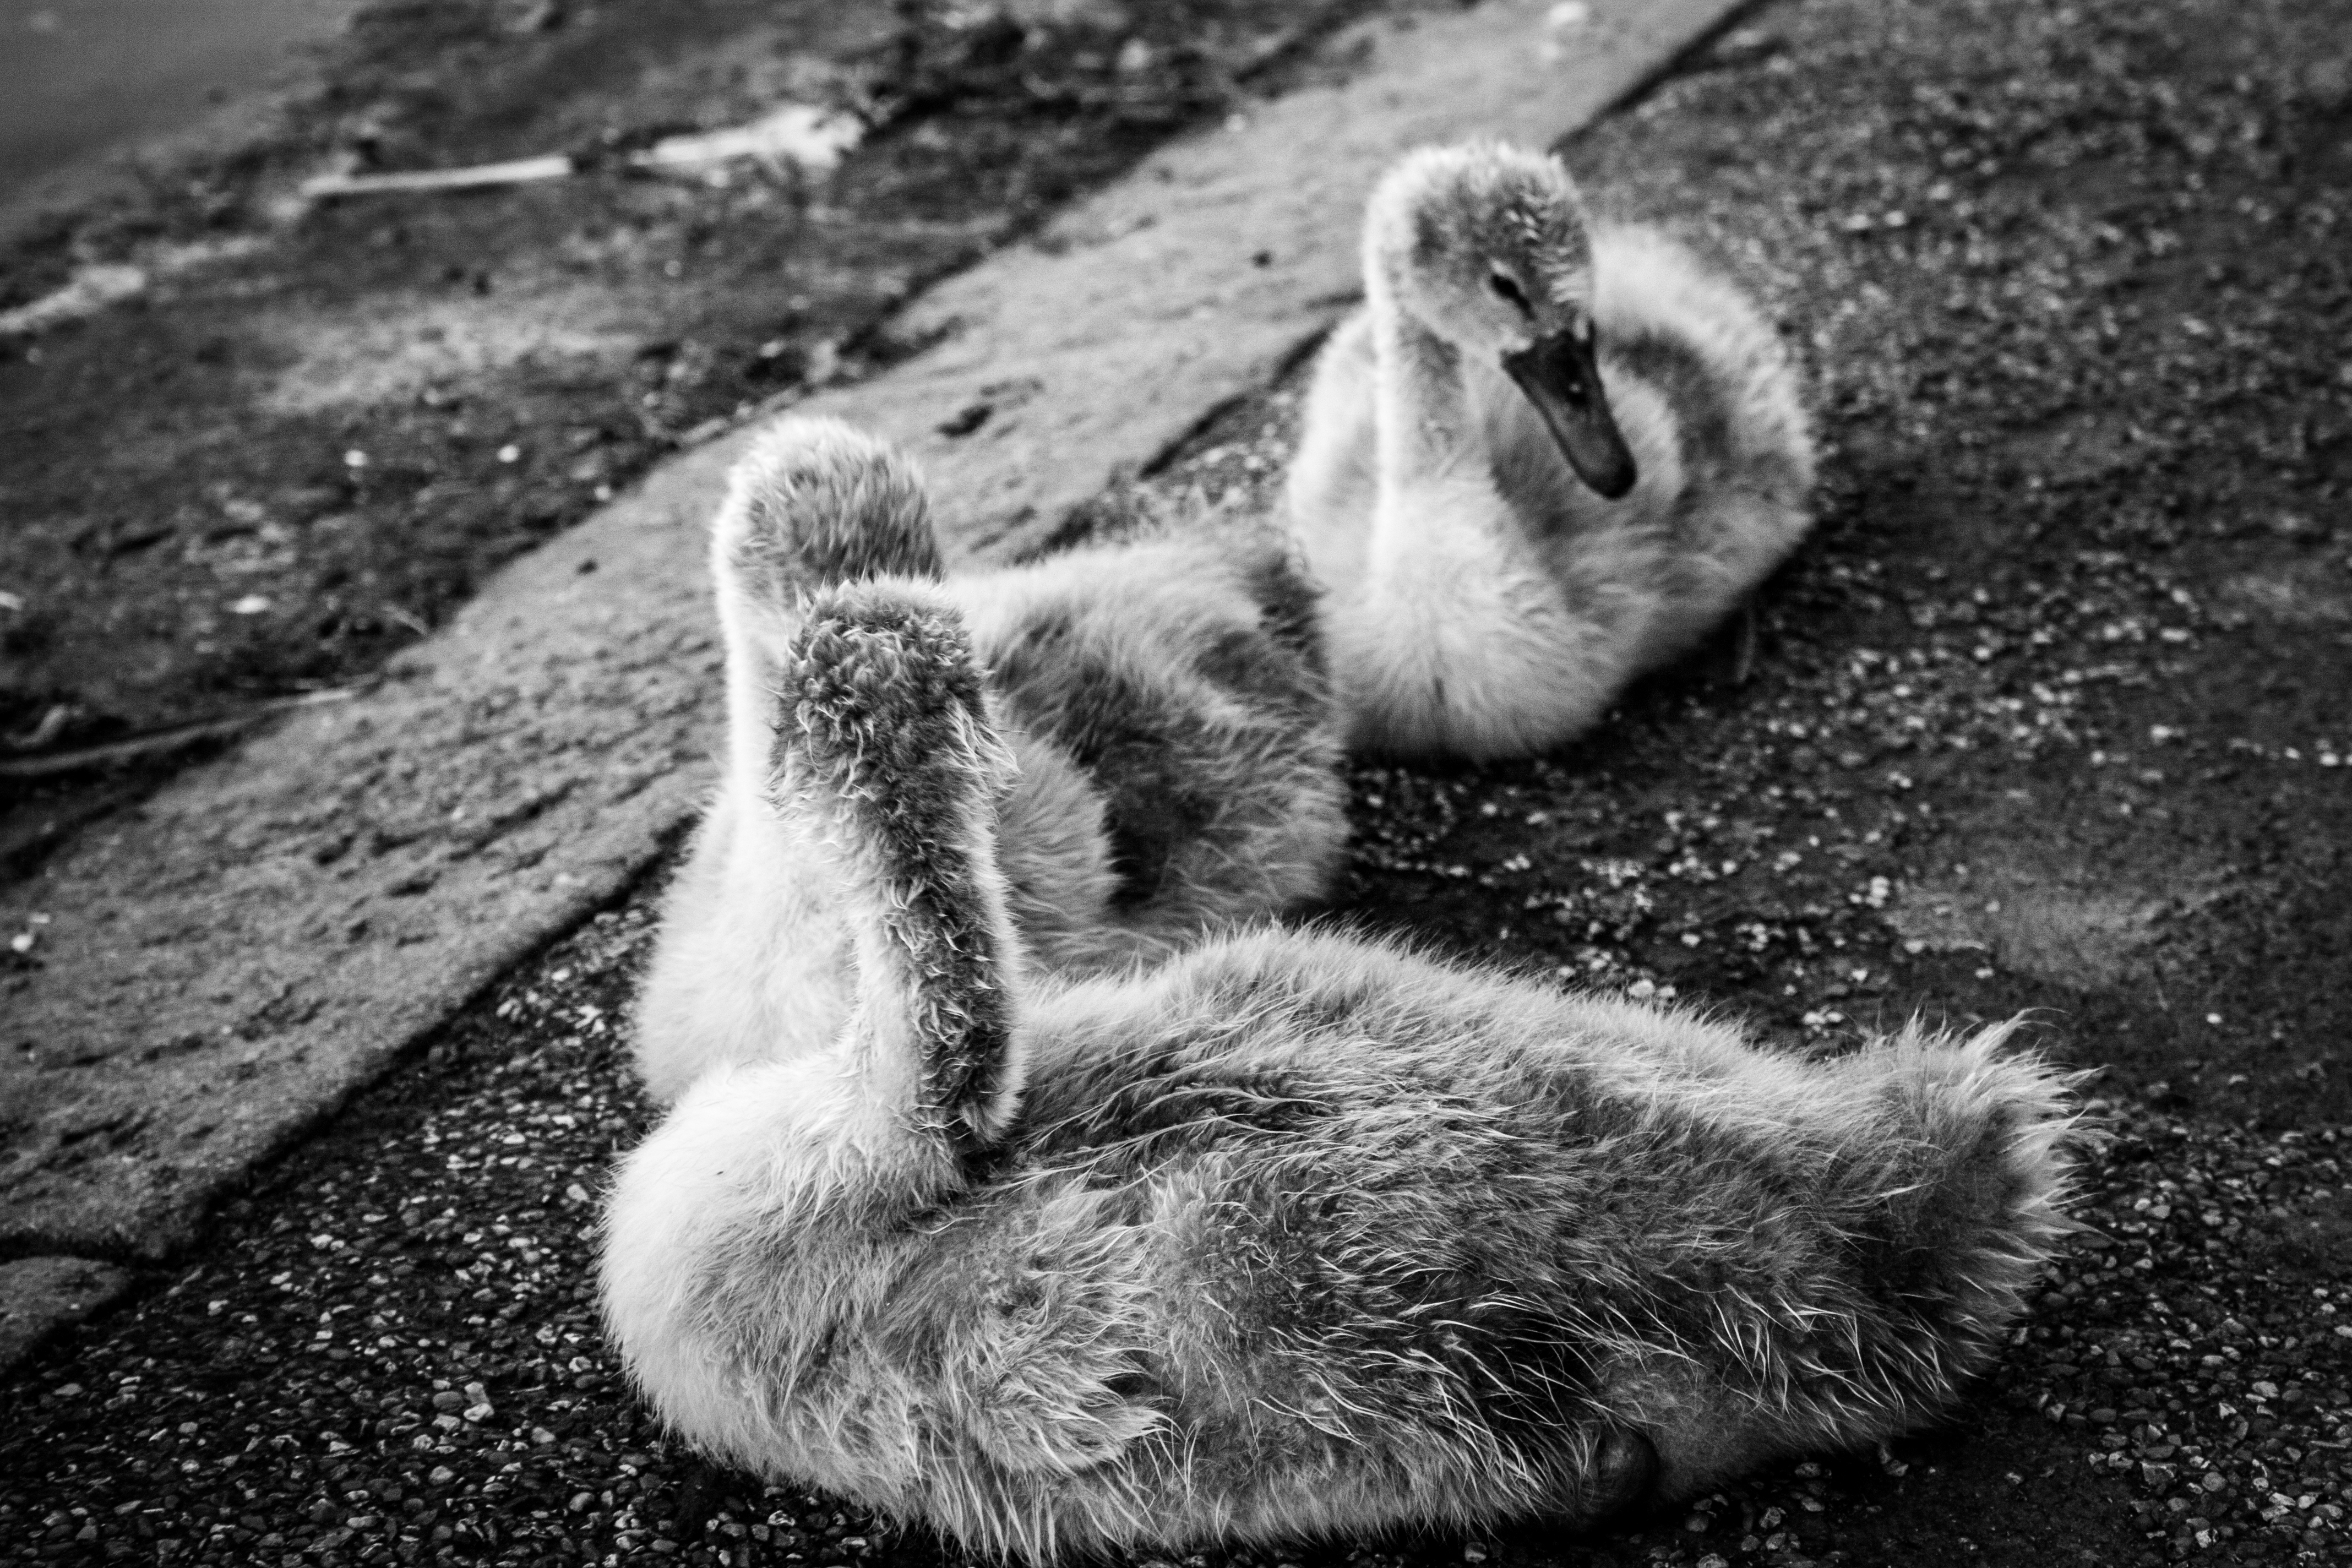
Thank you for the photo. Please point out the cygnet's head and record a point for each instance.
(815, 502)
(1488, 245)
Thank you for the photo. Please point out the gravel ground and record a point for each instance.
(2049, 717)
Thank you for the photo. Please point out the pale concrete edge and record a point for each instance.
(1663, 64)
(522, 943)
(56, 1284)
(43, 1295)
(1074, 525)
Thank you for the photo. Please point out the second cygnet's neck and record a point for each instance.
(1422, 413)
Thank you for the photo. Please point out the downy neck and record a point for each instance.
(1420, 411)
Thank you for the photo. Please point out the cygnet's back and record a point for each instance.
(1166, 698)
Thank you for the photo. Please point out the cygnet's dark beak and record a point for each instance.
(1562, 377)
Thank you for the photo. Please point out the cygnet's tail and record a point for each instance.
(1917, 1191)
(1957, 1190)
(887, 749)
(814, 504)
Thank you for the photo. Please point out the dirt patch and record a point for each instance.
(2069, 923)
(393, 351)
(317, 426)
(2299, 593)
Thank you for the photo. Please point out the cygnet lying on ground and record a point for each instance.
(1166, 701)
(1544, 459)
(1292, 1235)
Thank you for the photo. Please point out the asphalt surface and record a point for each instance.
(2074, 621)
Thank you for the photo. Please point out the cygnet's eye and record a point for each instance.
(1507, 289)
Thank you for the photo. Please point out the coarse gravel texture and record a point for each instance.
(2047, 717)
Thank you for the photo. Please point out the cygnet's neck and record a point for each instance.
(750, 765)
(1422, 413)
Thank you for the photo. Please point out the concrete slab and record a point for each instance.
(41, 1295)
(213, 973)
